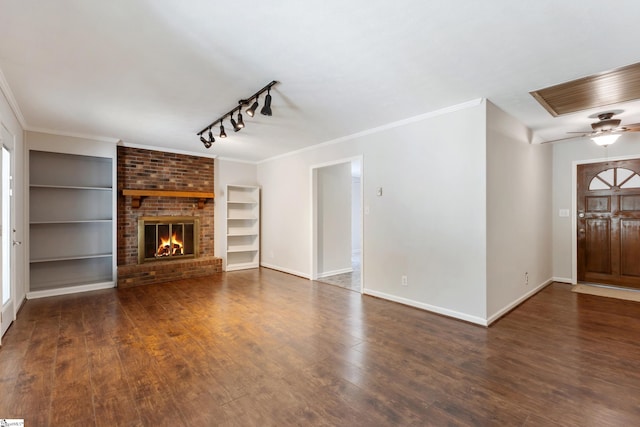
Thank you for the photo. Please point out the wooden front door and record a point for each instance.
(609, 223)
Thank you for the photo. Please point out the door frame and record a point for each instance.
(10, 228)
(574, 206)
(313, 171)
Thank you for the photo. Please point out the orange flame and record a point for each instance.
(171, 246)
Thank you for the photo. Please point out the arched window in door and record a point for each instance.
(615, 177)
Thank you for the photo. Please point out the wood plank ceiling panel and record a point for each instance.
(599, 90)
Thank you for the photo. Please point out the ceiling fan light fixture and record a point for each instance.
(606, 139)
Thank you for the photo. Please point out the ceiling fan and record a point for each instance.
(605, 131)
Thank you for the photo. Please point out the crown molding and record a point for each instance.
(462, 106)
(72, 134)
(13, 104)
(231, 159)
(165, 149)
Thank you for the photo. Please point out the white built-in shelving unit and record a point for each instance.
(71, 222)
(243, 227)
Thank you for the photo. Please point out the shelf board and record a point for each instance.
(70, 284)
(247, 218)
(84, 221)
(137, 195)
(241, 266)
(70, 187)
(242, 202)
(70, 258)
(237, 249)
(242, 233)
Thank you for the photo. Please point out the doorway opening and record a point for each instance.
(7, 229)
(337, 251)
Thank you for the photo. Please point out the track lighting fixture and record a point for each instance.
(239, 124)
(266, 108)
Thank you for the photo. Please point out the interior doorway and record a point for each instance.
(337, 223)
(608, 223)
(7, 231)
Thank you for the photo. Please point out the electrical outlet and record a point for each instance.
(526, 278)
(403, 281)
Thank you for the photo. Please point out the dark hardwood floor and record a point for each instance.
(264, 348)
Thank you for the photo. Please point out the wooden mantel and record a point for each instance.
(137, 195)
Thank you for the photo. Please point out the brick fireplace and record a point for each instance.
(140, 169)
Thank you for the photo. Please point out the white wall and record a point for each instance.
(228, 172)
(564, 155)
(429, 224)
(10, 122)
(334, 219)
(518, 213)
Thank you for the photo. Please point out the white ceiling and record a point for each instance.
(155, 72)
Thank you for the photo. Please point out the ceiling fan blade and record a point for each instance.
(634, 127)
(566, 138)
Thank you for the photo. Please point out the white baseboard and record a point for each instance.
(517, 302)
(285, 270)
(70, 290)
(334, 272)
(563, 280)
(428, 307)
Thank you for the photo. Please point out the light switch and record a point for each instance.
(379, 191)
(563, 213)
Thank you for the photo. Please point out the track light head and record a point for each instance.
(223, 134)
(236, 128)
(266, 108)
(211, 138)
(240, 121)
(252, 110)
(206, 143)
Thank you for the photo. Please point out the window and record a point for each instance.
(617, 177)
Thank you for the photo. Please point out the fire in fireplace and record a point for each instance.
(167, 238)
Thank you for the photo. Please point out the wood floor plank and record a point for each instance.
(259, 347)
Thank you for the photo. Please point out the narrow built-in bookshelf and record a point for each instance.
(243, 227)
(70, 221)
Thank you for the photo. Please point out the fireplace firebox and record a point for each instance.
(165, 238)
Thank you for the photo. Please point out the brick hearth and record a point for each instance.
(156, 170)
